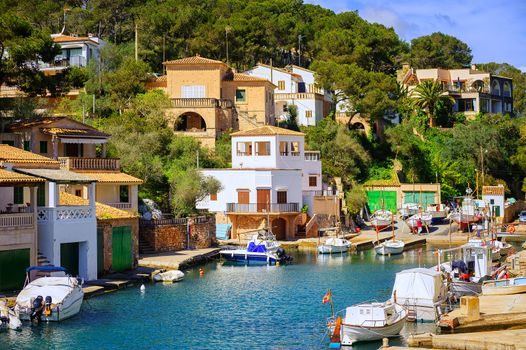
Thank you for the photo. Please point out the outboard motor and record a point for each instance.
(280, 252)
(47, 306)
(37, 308)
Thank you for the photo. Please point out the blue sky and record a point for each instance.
(494, 30)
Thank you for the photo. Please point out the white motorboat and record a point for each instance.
(422, 291)
(408, 209)
(390, 247)
(438, 212)
(49, 298)
(8, 318)
(369, 321)
(381, 219)
(424, 217)
(169, 276)
(262, 248)
(504, 286)
(334, 245)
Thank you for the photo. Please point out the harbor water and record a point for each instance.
(230, 307)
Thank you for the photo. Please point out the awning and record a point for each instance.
(77, 140)
(60, 176)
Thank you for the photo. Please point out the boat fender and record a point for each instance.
(503, 275)
(510, 229)
(47, 306)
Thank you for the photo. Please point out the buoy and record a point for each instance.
(142, 288)
(277, 263)
(201, 272)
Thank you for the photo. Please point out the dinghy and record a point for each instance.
(504, 286)
(369, 321)
(169, 276)
(334, 245)
(390, 247)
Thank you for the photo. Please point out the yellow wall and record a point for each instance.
(209, 76)
(257, 107)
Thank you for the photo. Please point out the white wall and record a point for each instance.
(275, 75)
(498, 201)
(6, 196)
(289, 180)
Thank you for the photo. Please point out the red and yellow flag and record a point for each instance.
(328, 297)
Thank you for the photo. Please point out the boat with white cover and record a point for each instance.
(422, 291)
(334, 245)
(369, 321)
(515, 285)
(169, 276)
(49, 298)
(425, 218)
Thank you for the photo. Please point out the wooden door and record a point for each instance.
(121, 254)
(263, 200)
(243, 200)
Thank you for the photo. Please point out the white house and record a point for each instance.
(76, 51)
(295, 86)
(270, 179)
(494, 197)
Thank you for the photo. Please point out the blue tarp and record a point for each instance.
(461, 265)
(46, 268)
(223, 231)
(256, 248)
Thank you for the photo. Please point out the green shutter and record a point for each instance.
(43, 146)
(121, 254)
(18, 195)
(69, 257)
(124, 193)
(41, 195)
(382, 200)
(13, 264)
(424, 198)
(497, 210)
(27, 146)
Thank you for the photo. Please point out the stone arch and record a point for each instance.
(495, 88)
(190, 121)
(357, 126)
(506, 89)
(279, 228)
(478, 85)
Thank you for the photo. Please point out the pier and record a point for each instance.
(179, 259)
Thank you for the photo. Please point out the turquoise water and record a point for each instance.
(231, 307)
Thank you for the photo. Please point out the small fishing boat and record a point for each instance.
(334, 245)
(408, 209)
(169, 276)
(381, 219)
(369, 321)
(438, 212)
(495, 247)
(8, 318)
(468, 213)
(262, 248)
(504, 286)
(49, 298)
(390, 247)
(425, 219)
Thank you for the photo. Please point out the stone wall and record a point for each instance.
(166, 236)
(107, 226)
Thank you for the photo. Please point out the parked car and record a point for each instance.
(522, 216)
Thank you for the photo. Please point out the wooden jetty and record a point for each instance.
(509, 339)
(179, 259)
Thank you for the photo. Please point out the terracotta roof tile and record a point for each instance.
(245, 77)
(194, 60)
(70, 38)
(74, 132)
(268, 130)
(102, 177)
(7, 177)
(10, 154)
(103, 211)
(32, 122)
(493, 190)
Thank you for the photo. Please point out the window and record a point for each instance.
(124, 194)
(43, 146)
(282, 197)
(301, 87)
(285, 108)
(27, 146)
(193, 91)
(295, 148)
(73, 150)
(41, 195)
(244, 148)
(213, 196)
(18, 196)
(284, 148)
(78, 193)
(308, 114)
(484, 105)
(281, 84)
(506, 89)
(263, 148)
(313, 181)
(8, 142)
(466, 105)
(241, 95)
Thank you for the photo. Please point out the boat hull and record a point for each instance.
(351, 334)
(461, 288)
(67, 309)
(387, 249)
(504, 287)
(332, 249)
(249, 257)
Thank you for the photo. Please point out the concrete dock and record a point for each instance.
(493, 340)
(179, 259)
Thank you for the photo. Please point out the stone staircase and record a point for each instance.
(145, 247)
(42, 260)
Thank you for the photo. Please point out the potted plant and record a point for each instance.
(304, 211)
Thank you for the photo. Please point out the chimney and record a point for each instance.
(473, 67)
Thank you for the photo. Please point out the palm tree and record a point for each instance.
(426, 96)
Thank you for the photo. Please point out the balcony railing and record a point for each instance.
(297, 96)
(73, 61)
(65, 213)
(312, 155)
(75, 163)
(324, 193)
(124, 206)
(16, 220)
(200, 102)
(262, 208)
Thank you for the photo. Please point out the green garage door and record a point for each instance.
(414, 197)
(13, 264)
(69, 257)
(381, 200)
(121, 253)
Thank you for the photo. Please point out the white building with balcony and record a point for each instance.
(75, 51)
(295, 86)
(66, 235)
(270, 176)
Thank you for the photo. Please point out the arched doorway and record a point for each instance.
(279, 228)
(358, 126)
(190, 121)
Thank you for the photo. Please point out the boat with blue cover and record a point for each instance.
(262, 248)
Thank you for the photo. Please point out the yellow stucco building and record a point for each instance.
(209, 98)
